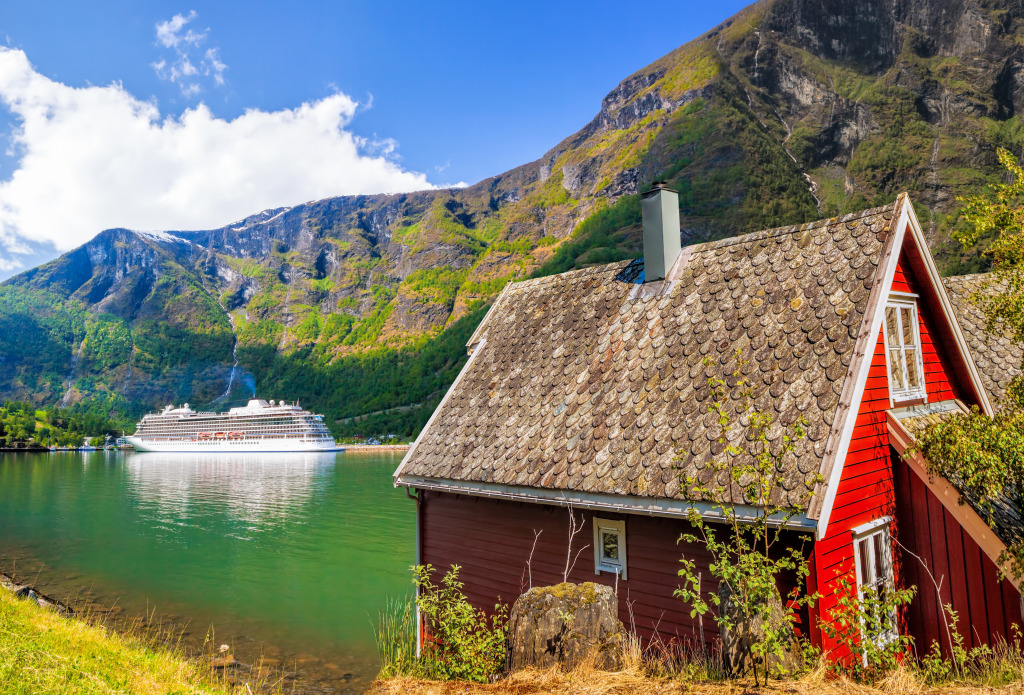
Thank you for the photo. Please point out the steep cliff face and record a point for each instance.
(789, 111)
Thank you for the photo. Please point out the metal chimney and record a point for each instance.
(660, 207)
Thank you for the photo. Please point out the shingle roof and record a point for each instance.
(593, 382)
(998, 358)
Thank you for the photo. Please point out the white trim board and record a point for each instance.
(864, 351)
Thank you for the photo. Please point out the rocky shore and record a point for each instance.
(25, 591)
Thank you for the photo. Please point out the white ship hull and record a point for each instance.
(233, 445)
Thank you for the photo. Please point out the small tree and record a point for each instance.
(984, 457)
(747, 558)
(999, 215)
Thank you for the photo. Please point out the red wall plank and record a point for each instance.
(987, 606)
(491, 540)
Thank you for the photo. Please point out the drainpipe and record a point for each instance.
(419, 561)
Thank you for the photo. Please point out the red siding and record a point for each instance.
(866, 491)
(986, 605)
(491, 541)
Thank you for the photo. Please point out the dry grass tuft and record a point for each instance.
(585, 680)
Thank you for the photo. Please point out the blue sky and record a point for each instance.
(420, 94)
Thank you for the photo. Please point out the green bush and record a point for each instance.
(462, 643)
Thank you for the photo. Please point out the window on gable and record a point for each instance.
(903, 351)
(872, 552)
(610, 546)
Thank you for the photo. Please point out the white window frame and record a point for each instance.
(897, 302)
(865, 534)
(601, 563)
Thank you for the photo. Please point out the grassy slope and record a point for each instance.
(43, 652)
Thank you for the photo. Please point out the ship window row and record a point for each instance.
(234, 426)
(308, 438)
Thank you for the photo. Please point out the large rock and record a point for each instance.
(562, 624)
(749, 630)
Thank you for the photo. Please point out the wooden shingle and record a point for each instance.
(592, 381)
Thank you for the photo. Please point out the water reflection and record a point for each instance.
(252, 492)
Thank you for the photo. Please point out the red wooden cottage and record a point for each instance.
(586, 393)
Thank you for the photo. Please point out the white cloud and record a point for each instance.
(169, 33)
(190, 61)
(91, 158)
(216, 67)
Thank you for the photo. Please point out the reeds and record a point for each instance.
(396, 638)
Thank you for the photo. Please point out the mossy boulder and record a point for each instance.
(564, 623)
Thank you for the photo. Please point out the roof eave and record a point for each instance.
(606, 502)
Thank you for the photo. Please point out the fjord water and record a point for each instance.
(286, 555)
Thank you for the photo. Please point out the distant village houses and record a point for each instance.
(589, 391)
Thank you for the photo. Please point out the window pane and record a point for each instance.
(877, 549)
(913, 381)
(896, 365)
(610, 545)
(907, 319)
(865, 564)
(892, 328)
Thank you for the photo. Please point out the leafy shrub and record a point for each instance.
(462, 643)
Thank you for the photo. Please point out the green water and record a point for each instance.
(286, 555)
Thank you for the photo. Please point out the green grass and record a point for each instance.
(44, 652)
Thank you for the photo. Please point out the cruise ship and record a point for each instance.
(259, 426)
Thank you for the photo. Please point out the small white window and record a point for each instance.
(872, 555)
(610, 547)
(903, 351)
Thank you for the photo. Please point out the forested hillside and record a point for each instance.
(359, 306)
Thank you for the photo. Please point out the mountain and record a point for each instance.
(790, 111)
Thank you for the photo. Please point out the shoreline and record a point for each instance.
(248, 660)
(377, 447)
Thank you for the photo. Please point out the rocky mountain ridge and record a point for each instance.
(790, 111)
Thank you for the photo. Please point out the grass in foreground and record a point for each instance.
(587, 681)
(1003, 674)
(44, 652)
